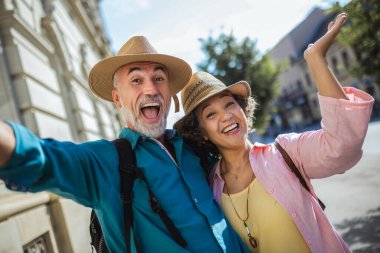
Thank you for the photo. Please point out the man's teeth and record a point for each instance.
(230, 128)
(150, 105)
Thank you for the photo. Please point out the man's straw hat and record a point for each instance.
(137, 49)
(202, 86)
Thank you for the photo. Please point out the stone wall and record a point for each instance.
(47, 49)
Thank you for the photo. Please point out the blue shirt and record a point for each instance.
(88, 174)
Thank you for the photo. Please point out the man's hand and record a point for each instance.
(320, 47)
(7, 143)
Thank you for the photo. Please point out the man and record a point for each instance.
(140, 82)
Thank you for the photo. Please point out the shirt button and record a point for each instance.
(271, 190)
(294, 215)
(195, 200)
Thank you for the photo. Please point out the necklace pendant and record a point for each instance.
(247, 229)
(251, 239)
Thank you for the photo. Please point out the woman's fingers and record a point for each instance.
(338, 23)
(321, 46)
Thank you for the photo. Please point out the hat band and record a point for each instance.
(196, 95)
(192, 90)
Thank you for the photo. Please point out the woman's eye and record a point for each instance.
(210, 114)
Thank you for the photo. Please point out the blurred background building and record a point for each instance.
(298, 105)
(47, 49)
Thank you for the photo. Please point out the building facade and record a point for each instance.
(47, 49)
(298, 105)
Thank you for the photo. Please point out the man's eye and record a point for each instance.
(136, 80)
(230, 103)
(160, 79)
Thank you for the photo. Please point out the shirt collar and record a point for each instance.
(217, 174)
(134, 137)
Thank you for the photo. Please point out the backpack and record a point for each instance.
(128, 173)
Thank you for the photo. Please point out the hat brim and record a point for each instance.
(240, 88)
(101, 75)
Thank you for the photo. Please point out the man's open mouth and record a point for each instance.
(150, 110)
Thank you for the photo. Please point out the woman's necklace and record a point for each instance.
(236, 175)
(251, 239)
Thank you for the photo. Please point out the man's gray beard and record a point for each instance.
(154, 130)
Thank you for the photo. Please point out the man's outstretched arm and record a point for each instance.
(71, 170)
(7, 143)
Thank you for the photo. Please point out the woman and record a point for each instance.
(261, 197)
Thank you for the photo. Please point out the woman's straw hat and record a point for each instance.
(202, 86)
(137, 49)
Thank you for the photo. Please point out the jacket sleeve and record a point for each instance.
(337, 146)
(77, 171)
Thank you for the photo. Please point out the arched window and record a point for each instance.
(346, 60)
(334, 63)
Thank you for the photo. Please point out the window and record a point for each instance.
(334, 63)
(315, 102)
(38, 245)
(284, 91)
(346, 60)
(299, 85)
(308, 80)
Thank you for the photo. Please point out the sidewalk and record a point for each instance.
(352, 198)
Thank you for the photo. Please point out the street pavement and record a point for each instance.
(353, 199)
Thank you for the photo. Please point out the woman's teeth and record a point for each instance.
(230, 128)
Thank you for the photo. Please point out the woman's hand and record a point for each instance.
(315, 56)
(320, 47)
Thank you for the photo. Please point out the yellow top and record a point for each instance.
(268, 221)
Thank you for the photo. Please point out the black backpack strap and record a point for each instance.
(128, 173)
(156, 207)
(295, 170)
(174, 232)
(127, 169)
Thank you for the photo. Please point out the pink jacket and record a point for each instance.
(334, 149)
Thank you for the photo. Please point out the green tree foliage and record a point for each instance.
(230, 61)
(362, 33)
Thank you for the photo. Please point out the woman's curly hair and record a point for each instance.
(191, 132)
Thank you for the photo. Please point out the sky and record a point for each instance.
(174, 26)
